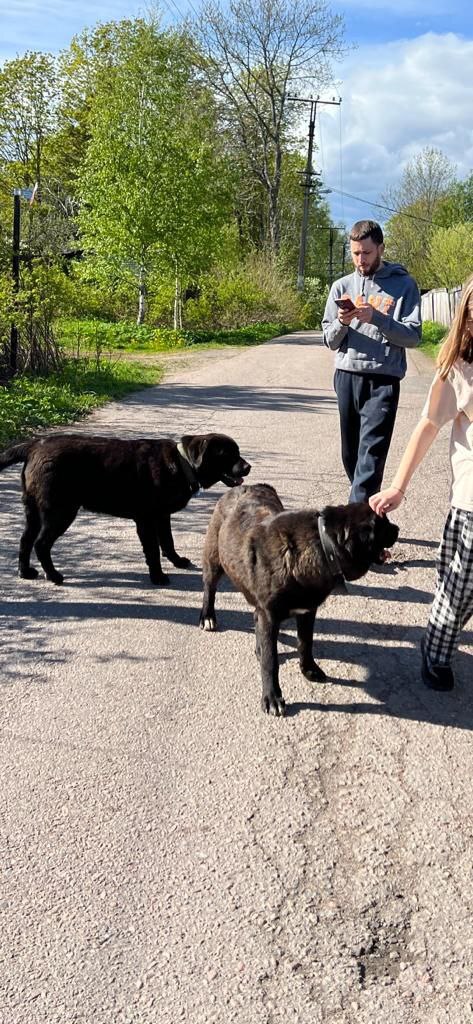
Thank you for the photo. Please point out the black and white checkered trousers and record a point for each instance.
(453, 601)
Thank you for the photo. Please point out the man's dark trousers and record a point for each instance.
(367, 404)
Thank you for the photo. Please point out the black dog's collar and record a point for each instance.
(189, 471)
(331, 555)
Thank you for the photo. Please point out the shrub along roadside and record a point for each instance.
(100, 335)
(432, 337)
(29, 404)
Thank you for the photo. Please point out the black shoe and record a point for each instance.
(436, 677)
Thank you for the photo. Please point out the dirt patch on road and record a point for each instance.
(175, 362)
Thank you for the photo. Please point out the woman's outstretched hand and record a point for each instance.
(386, 501)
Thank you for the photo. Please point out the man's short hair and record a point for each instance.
(367, 229)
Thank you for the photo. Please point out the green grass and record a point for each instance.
(98, 335)
(28, 404)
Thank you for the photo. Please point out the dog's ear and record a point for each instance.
(368, 533)
(343, 534)
(365, 532)
(195, 446)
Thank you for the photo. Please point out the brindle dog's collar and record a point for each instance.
(189, 471)
(331, 555)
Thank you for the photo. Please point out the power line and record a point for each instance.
(400, 213)
(193, 8)
(171, 12)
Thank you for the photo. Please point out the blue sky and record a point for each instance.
(407, 84)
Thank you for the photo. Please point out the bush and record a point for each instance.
(432, 332)
(98, 336)
(314, 298)
(101, 335)
(253, 292)
(252, 335)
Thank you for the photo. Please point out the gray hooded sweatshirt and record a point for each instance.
(378, 347)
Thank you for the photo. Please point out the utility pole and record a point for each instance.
(330, 257)
(16, 276)
(308, 179)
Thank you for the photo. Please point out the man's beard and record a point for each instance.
(374, 267)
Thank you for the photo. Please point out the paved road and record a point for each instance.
(169, 853)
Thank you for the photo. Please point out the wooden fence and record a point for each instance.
(440, 305)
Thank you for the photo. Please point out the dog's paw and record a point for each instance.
(29, 573)
(159, 579)
(273, 705)
(182, 563)
(314, 673)
(209, 623)
(55, 577)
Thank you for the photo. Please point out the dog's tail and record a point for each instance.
(18, 453)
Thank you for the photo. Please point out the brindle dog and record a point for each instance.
(286, 564)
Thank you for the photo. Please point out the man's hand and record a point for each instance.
(346, 316)
(364, 313)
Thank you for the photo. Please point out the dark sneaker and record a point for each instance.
(436, 677)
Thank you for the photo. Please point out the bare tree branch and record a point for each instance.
(251, 52)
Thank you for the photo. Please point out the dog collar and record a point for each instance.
(331, 556)
(189, 471)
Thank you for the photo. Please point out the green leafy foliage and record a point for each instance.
(451, 255)
(95, 336)
(431, 233)
(152, 184)
(254, 291)
(252, 335)
(433, 332)
(29, 404)
(432, 336)
(314, 297)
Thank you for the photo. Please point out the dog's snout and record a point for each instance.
(245, 468)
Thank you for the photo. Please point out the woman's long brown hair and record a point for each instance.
(458, 344)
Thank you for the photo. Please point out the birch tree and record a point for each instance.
(151, 184)
(254, 55)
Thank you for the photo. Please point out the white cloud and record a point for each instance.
(407, 8)
(397, 99)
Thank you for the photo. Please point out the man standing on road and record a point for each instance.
(371, 317)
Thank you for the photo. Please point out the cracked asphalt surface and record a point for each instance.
(171, 854)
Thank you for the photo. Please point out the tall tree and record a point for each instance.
(424, 184)
(457, 206)
(27, 114)
(451, 255)
(152, 189)
(31, 149)
(253, 55)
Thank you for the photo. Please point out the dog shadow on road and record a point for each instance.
(374, 657)
(387, 658)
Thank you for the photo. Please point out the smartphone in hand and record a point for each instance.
(346, 304)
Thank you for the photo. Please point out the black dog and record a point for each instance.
(286, 564)
(143, 480)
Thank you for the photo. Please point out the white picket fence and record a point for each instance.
(440, 305)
